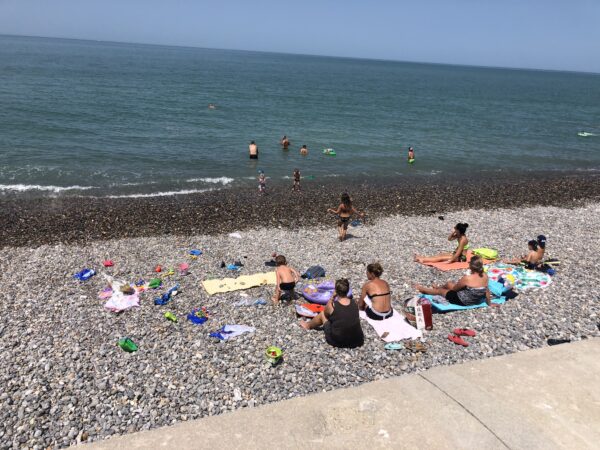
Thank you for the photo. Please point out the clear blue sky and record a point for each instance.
(549, 34)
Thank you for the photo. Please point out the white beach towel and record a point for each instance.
(396, 327)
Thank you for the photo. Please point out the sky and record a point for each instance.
(540, 34)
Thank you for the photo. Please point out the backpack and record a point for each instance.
(314, 272)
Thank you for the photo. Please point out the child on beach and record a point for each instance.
(262, 182)
(296, 186)
(287, 277)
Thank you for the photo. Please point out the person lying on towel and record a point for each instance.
(376, 292)
(469, 290)
(459, 254)
(340, 320)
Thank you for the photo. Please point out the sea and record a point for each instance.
(104, 119)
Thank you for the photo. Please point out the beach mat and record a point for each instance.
(445, 267)
(519, 277)
(236, 284)
(446, 307)
(396, 327)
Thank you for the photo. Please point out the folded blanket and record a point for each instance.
(235, 284)
(444, 266)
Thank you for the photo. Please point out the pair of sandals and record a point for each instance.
(457, 333)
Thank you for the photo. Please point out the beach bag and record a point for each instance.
(417, 311)
(314, 272)
(486, 253)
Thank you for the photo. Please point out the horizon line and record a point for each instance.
(533, 69)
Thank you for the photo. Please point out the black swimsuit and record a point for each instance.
(376, 315)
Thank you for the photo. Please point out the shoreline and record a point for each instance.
(61, 341)
(38, 221)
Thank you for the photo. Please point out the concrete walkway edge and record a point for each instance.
(538, 399)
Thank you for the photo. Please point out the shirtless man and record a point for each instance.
(286, 279)
(304, 150)
(285, 142)
(253, 150)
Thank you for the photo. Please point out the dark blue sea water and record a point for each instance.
(109, 119)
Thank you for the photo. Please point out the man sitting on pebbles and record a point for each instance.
(340, 319)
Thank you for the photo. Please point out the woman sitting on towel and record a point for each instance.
(459, 255)
(339, 320)
(344, 213)
(535, 256)
(375, 298)
(469, 290)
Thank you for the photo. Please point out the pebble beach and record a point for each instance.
(64, 379)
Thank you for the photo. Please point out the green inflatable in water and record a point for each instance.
(411, 161)
(329, 151)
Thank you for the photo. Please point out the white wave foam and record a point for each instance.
(37, 187)
(160, 194)
(221, 180)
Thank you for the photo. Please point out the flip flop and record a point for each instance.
(464, 332)
(415, 347)
(457, 340)
(394, 346)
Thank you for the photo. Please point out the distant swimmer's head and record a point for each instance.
(461, 228)
(304, 146)
(532, 244)
(252, 142)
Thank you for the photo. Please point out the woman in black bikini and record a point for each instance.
(344, 213)
(340, 320)
(375, 297)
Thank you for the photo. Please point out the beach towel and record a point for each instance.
(235, 284)
(445, 267)
(396, 327)
(518, 277)
(120, 302)
(440, 304)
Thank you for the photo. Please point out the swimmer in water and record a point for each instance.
(253, 150)
(212, 106)
(411, 154)
(304, 150)
(285, 142)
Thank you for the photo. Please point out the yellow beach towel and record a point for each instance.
(236, 284)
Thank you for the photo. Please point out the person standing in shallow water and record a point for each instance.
(253, 150)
